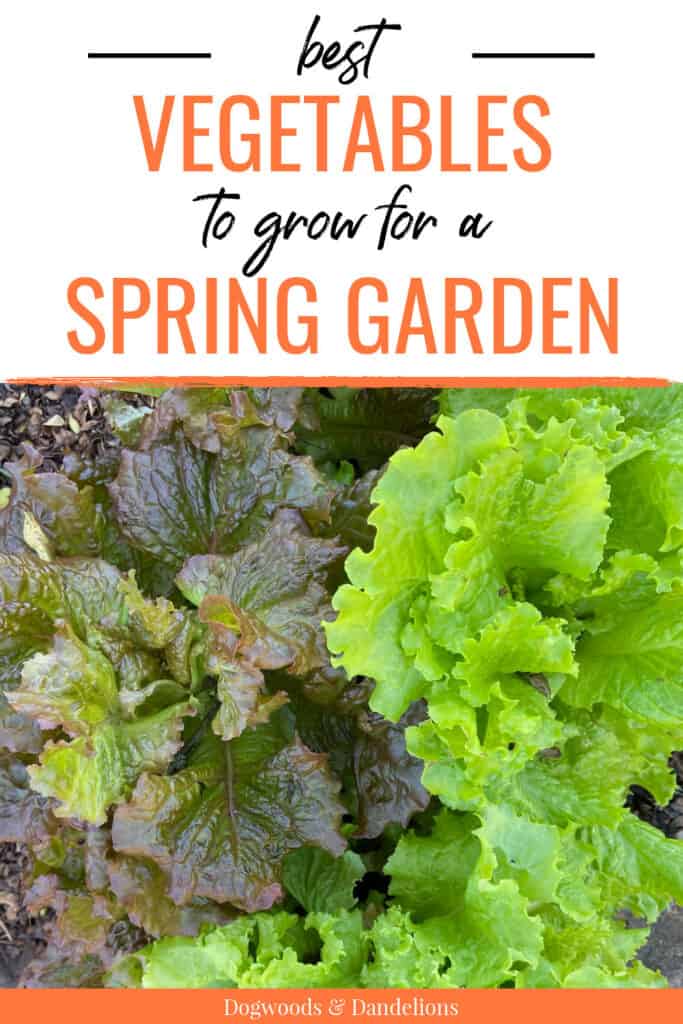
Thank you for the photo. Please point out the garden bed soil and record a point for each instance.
(21, 936)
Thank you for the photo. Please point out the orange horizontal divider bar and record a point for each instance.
(353, 382)
(466, 1006)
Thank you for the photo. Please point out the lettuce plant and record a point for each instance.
(166, 694)
(526, 581)
(440, 804)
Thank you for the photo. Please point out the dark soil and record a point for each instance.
(69, 422)
(59, 422)
(663, 950)
(21, 936)
(670, 818)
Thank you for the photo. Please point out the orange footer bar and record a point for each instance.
(467, 1006)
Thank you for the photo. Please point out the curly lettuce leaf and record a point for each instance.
(221, 827)
(74, 687)
(47, 514)
(320, 882)
(174, 500)
(260, 951)
(363, 425)
(635, 666)
(140, 887)
(383, 779)
(25, 816)
(276, 583)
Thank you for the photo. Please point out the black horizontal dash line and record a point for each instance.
(533, 56)
(148, 56)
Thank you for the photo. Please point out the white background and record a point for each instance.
(77, 198)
